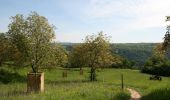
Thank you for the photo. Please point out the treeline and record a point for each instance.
(134, 54)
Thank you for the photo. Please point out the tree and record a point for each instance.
(157, 58)
(166, 43)
(127, 63)
(96, 53)
(32, 36)
(4, 48)
(158, 63)
(8, 51)
(77, 56)
(117, 61)
(58, 56)
(155, 61)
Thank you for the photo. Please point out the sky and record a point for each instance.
(125, 21)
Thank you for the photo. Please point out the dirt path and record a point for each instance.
(134, 94)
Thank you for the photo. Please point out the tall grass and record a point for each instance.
(161, 93)
(78, 87)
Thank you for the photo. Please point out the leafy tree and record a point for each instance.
(32, 36)
(96, 53)
(58, 56)
(4, 48)
(127, 63)
(77, 56)
(8, 51)
(155, 61)
(166, 42)
(158, 63)
(117, 61)
(157, 57)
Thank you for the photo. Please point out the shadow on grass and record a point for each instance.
(159, 94)
(8, 77)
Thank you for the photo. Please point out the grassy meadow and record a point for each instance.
(78, 87)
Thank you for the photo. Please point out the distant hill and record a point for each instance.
(137, 52)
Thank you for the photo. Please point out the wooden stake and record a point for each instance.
(122, 81)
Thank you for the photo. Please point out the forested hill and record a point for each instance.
(137, 52)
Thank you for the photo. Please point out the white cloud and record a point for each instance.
(128, 18)
(105, 8)
(143, 13)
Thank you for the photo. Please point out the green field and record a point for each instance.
(78, 87)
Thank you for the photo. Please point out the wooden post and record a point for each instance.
(64, 73)
(122, 81)
(81, 71)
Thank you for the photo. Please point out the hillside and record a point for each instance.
(137, 52)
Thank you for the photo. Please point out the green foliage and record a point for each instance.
(10, 77)
(128, 64)
(18, 36)
(4, 48)
(77, 56)
(57, 57)
(166, 42)
(8, 51)
(120, 62)
(32, 37)
(133, 52)
(158, 63)
(117, 61)
(94, 52)
(97, 49)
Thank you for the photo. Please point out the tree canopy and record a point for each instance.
(94, 52)
(32, 36)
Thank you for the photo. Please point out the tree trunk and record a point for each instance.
(93, 74)
(1, 60)
(0, 63)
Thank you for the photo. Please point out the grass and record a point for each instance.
(78, 87)
(162, 93)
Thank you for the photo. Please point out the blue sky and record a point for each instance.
(126, 21)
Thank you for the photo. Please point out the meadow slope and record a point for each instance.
(76, 87)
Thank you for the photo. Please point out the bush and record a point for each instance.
(9, 77)
(162, 69)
